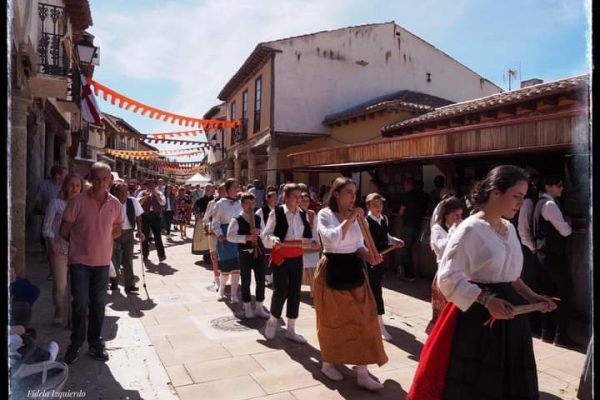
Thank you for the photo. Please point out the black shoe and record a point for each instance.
(536, 334)
(145, 258)
(163, 258)
(114, 285)
(98, 353)
(130, 289)
(566, 342)
(72, 355)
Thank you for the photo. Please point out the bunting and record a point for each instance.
(169, 141)
(155, 113)
(145, 155)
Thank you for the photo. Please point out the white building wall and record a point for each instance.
(318, 74)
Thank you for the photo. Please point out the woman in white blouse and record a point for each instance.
(227, 252)
(449, 215)
(347, 324)
(58, 248)
(480, 275)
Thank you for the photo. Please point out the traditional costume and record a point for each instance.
(462, 358)
(310, 258)
(347, 324)
(250, 259)
(379, 228)
(227, 252)
(287, 266)
(200, 238)
(263, 212)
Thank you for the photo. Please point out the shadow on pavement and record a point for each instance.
(309, 358)
(120, 301)
(405, 341)
(161, 268)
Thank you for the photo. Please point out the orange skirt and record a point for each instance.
(347, 324)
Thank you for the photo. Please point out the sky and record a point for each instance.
(177, 55)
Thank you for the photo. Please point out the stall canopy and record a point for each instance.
(198, 179)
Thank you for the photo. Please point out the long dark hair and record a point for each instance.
(447, 206)
(500, 178)
(337, 185)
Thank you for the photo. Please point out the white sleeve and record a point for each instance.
(314, 230)
(523, 224)
(161, 198)
(232, 232)
(267, 233)
(216, 225)
(551, 213)
(438, 240)
(456, 260)
(137, 207)
(329, 229)
(49, 217)
(209, 210)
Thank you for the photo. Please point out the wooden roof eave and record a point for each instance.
(379, 150)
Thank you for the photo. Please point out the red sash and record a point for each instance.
(278, 256)
(430, 377)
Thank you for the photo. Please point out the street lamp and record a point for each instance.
(87, 53)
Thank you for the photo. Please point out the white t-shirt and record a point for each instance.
(224, 210)
(475, 252)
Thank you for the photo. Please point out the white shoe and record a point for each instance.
(294, 337)
(260, 311)
(365, 381)
(234, 300)
(330, 371)
(271, 328)
(385, 335)
(248, 313)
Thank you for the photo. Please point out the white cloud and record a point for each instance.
(198, 47)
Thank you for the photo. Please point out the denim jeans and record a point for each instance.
(88, 288)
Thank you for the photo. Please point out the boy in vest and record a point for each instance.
(287, 222)
(263, 212)
(250, 254)
(123, 245)
(549, 232)
(379, 228)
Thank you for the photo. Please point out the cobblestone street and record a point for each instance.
(177, 341)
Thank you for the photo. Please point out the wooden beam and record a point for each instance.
(507, 112)
(567, 100)
(443, 124)
(457, 122)
(547, 103)
(488, 116)
(525, 108)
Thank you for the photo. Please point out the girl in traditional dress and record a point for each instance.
(309, 258)
(183, 205)
(449, 216)
(479, 276)
(227, 252)
(347, 325)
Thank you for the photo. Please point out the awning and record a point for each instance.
(560, 130)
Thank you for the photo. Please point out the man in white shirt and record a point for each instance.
(123, 245)
(285, 223)
(549, 232)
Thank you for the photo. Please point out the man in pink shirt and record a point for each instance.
(92, 219)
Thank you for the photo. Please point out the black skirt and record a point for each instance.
(344, 271)
(492, 363)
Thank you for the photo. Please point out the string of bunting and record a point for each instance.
(170, 141)
(185, 170)
(146, 155)
(156, 113)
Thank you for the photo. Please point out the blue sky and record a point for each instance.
(178, 54)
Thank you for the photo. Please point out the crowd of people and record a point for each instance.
(497, 248)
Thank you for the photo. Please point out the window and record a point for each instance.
(244, 113)
(257, 101)
(233, 118)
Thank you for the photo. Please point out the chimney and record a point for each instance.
(531, 82)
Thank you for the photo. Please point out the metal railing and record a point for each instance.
(53, 58)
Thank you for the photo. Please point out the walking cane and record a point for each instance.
(143, 271)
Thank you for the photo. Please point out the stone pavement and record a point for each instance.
(176, 339)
